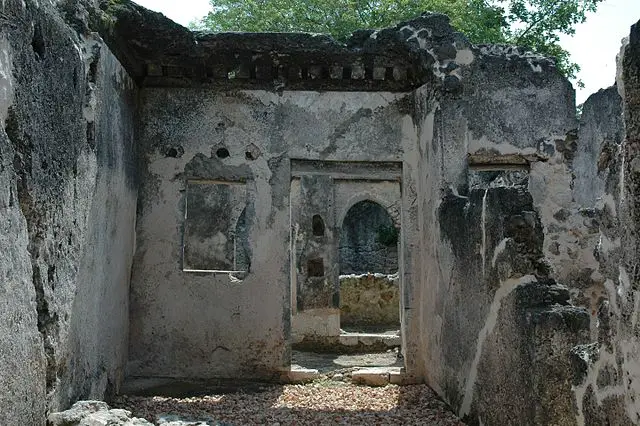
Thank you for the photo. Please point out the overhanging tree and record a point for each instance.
(535, 24)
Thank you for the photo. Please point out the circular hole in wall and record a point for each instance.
(174, 151)
(222, 153)
(251, 152)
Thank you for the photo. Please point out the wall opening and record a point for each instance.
(215, 230)
(317, 225)
(368, 240)
(321, 195)
(315, 268)
(222, 152)
(242, 258)
(369, 285)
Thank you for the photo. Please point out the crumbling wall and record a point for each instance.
(490, 308)
(67, 207)
(483, 154)
(238, 325)
(368, 240)
(568, 189)
(369, 300)
(22, 362)
(471, 241)
(607, 384)
(599, 138)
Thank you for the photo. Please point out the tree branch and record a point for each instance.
(540, 18)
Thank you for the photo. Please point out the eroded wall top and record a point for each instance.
(158, 52)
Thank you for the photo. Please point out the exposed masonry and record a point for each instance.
(149, 172)
(606, 389)
(488, 328)
(370, 300)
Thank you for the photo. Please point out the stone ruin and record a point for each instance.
(172, 205)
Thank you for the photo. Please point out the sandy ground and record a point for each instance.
(323, 402)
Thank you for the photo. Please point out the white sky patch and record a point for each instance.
(597, 41)
(593, 47)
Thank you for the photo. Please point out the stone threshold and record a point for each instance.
(371, 376)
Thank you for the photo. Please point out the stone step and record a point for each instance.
(378, 376)
(298, 374)
(370, 339)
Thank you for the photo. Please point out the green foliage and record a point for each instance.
(341, 17)
(535, 24)
(538, 24)
(387, 235)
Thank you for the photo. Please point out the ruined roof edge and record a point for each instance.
(157, 51)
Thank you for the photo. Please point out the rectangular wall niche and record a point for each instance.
(215, 237)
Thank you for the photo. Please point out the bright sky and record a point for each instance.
(594, 46)
(597, 42)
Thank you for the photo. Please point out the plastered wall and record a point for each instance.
(67, 210)
(186, 324)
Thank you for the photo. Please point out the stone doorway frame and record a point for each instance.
(366, 175)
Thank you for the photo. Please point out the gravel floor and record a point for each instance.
(322, 402)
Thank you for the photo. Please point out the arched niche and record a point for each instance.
(317, 225)
(368, 240)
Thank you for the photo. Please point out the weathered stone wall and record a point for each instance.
(99, 323)
(315, 324)
(607, 387)
(242, 324)
(67, 206)
(369, 299)
(481, 256)
(599, 138)
(368, 240)
(479, 160)
(474, 243)
(315, 264)
(569, 189)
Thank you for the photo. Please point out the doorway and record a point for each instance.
(369, 284)
(345, 243)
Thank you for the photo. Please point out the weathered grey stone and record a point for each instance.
(368, 240)
(298, 374)
(67, 149)
(600, 136)
(369, 300)
(582, 358)
(378, 376)
(313, 224)
(473, 150)
(77, 412)
(536, 376)
(608, 393)
(94, 413)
